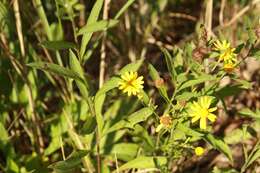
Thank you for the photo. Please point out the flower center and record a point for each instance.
(204, 113)
(130, 82)
(166, 120)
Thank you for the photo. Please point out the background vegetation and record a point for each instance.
(61, 62)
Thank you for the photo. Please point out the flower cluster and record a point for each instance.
(227, 55)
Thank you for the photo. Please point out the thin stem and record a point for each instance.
(42, 15)
(74, 136)
(221, 13)
(208, 25)
(19, 26)
(103, 47)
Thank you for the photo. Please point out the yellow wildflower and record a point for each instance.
(199, 151)
(201, 111)
(131, 83)
(226, 52)
(165, 122)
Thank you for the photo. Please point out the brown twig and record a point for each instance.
(183, 16)
(221, 12)
(103, 47)
(19, 26)
(241, 13)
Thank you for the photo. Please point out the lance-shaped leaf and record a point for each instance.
(97, 26)
(54, 68)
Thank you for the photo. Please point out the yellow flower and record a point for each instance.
(226, 52)
(165, 122)
(131, 83)
(201, 111)
(229, 67)
(199, 151)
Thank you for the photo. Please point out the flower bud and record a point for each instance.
(159, 83)
(199, 151)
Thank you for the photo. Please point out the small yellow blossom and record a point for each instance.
(131, 83)
(226, 52)
(201, 111)
(199, 151)
(229, 67)
(165, 122)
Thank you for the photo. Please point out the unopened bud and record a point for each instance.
(159, 83)
(166, 120)
(229, 67)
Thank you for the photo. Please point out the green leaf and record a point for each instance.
(58, 45)
(131, 67)
(249, 113)
(155, 76)
(75, 64)
(119, 125)
(119, 150)
(255, 53)
(236, 136)
(109, 85)
(3, 134)
(219, 145)
(54, 68)
(91, 19)
(224, 170)
(97, 26)
(170, 64)
(228, 91)
(143, 162)
(252, 36)
(98, 104)
(124, 8)
(200, 79)
(188, 131)
(100, 98)
(89, 125)
(239, 48)
(71, 163)
(133, 119)
(186, 96)
(254, 157)
(139, 116)
(76, 68)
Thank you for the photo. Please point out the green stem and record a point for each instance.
(42, 15)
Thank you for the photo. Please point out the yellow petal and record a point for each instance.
(212, 109)
(203, 123)
(212, 117)
(195, 118)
